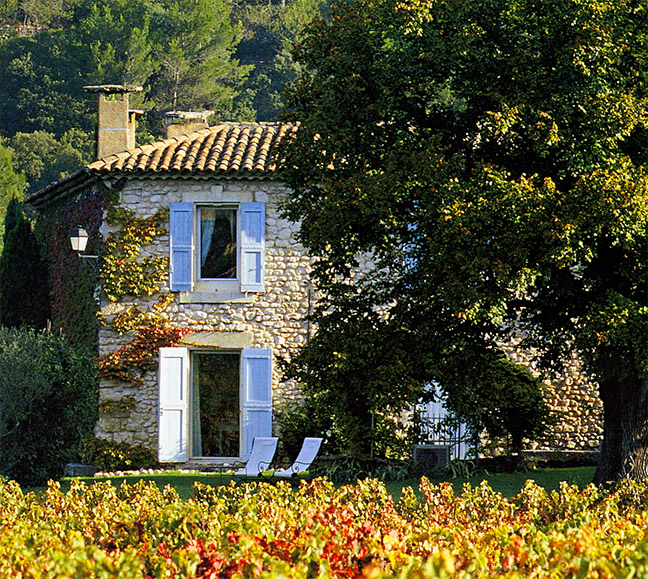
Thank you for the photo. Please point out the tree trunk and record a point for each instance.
(624, 452)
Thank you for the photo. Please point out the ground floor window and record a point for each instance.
(213, 403)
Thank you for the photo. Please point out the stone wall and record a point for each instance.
(273, 319)
(578, 407)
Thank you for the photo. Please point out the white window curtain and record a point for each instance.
(207, 221)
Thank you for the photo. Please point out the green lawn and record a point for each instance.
(509, 484)
(506, 483)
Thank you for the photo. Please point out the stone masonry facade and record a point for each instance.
(578, 406)
(272, 319)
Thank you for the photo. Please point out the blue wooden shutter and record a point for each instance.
(252, 256)
(256, 377)
(181, 244)
(173, 382)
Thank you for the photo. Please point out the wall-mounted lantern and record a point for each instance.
(79, 239)
(79, 242)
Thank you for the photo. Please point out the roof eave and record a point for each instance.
(66, 186)
(83, 177)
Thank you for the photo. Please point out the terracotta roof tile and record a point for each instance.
(235, 149)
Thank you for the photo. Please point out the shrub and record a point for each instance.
(48, 403)
(109, 456)
(348, 469)
(298, 420)
(392, 437)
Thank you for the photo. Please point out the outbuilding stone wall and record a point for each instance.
(579, 409)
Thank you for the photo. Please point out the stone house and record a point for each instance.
(189, 366)
(234, 279)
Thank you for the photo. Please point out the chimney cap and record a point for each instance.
(187, 115)
(113, 88)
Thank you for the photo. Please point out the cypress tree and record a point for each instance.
(14, 211)
(23, 275)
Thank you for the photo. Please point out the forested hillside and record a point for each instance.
(233, 59)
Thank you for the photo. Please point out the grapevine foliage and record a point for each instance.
(316, 530)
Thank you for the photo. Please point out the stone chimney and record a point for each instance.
(184, 122)
(116, 129)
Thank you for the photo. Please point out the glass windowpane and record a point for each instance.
(216, 387)
(217, 243)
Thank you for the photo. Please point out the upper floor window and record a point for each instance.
(217, 244)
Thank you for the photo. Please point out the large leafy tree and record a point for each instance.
(41, 80)
(490, 156)
(45, 159)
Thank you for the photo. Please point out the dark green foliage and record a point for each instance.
(36, 13)
(73, 281)
(298, 420)
(24, 293)
(193, 42)
(12, 218)
(269, 33)
(501, 397)
(355, 374)
(110, 456)
(350, 469)
(182, 53)
(188, 55)
(48, 403)
(44, 159)
(41, 80)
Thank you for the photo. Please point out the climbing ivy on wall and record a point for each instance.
(152, 332)
(125, 270)
(73, 281)
(130, 362)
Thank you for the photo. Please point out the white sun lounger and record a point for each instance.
(307, 454)
(263, 451)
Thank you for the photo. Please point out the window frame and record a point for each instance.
(184, 248)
